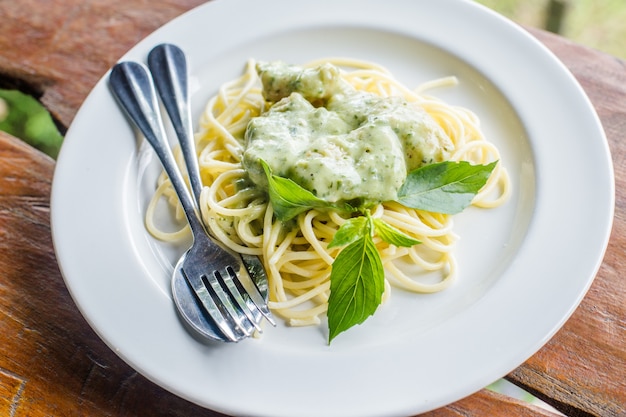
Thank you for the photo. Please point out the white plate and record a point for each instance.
(524, 267)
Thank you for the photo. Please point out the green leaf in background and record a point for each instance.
(357, 282)
(24, 117)
(445, 187)
(392, 235)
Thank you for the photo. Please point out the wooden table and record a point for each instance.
(53, 364)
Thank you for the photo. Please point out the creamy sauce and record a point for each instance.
(337, 142)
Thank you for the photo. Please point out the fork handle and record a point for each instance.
(168, 66)
(132, 86)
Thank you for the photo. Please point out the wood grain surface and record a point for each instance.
(582, 370)
(51, 361)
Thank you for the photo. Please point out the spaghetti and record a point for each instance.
(296, 256)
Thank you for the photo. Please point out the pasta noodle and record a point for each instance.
(297, 259)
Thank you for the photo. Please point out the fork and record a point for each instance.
(168, 66)
(218, 277)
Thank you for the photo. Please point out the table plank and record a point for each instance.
(486, 403)
(50, 359)
(576, 370)
(52, 363)
(58, 50)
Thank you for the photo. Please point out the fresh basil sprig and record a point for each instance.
(357, 277)
(288, 198)
(445, 187)
(393, 236)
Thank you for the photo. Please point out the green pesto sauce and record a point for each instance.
(337, 142)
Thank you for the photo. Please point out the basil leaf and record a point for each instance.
(357, 282)
(353, 229)
(288, 198)
(393, 236)
(445, 187)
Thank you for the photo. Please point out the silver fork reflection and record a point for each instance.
(168, 65)
(217, 275)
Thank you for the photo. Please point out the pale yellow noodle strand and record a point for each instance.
(400, 279)
(296, 301)
(150, 219)
(309, 234)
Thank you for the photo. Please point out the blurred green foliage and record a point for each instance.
(24, 117)
(598, 24)
(595, 23)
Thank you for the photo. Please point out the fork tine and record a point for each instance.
(241, 297)
(252, 266)
(216, 290)
(206, 299)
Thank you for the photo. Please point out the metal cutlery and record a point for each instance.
(220, 294)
